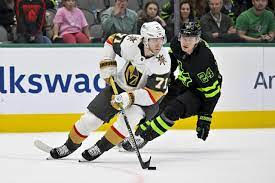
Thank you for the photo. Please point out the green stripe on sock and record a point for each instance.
(156, 129)
(162, 123)
(143, 127)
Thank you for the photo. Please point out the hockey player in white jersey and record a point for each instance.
(141, 83)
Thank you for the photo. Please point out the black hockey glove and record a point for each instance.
(203, 126)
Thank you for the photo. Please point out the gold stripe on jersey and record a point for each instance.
(110, 39)
(76, 137)
(154, 95)
(113, 136)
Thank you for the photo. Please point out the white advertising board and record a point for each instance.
(65, 80)
(48, 80)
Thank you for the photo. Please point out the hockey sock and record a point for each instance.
(142, 126)
(71, 145)
(76, 137)
(111, 138)
(157, 127)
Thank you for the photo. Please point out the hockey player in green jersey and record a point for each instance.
(196, 90)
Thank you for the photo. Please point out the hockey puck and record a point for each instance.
(152, 168)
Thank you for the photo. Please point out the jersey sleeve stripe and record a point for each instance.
(211, 91)
(155, 94)
(206, 89)
(152, 94)
(110, 39)
(109, 42)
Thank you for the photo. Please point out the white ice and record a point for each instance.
(228, 156)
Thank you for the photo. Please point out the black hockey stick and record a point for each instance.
(144, 165)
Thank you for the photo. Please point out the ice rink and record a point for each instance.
(228, 156)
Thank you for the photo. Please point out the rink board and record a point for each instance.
(47, 88)
(64, 122)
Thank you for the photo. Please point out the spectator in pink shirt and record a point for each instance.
(70, 24)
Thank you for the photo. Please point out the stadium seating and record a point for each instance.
(3, 34)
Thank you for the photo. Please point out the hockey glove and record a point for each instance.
(108, 68)
(123, 100)
(203, 126)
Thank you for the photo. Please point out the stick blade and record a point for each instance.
(42, 146)
(152, 168)
(146, 165)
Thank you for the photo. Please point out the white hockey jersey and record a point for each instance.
(146, 77)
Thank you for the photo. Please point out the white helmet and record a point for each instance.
(152, 30)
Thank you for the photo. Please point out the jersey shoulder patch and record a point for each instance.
(129, 46)
(161, 63)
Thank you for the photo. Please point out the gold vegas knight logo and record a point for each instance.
(132, 76)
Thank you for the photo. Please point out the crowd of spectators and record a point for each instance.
(50, 21)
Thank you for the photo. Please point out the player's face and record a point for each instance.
(155, 45)
(188, 43)
(259, 5)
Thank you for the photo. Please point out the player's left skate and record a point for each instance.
(126, 144)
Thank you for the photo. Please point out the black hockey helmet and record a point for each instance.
(190, 29)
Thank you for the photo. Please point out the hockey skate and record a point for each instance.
(126, 144)
(91, 153)
(60, 152)
(68, 148)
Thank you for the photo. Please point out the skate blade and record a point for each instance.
(82, 160)
(49, 158)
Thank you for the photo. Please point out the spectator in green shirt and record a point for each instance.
(257, 23)
(119, 19)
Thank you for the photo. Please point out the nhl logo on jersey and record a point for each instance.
(132, 75)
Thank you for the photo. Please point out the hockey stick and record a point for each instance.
(144, 165)
(43, 147)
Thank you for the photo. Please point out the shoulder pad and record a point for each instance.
(129, 46)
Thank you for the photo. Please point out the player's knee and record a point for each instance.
(88, 122)
(174, 111)
(134, 114)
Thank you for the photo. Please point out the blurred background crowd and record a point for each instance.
(92, 21)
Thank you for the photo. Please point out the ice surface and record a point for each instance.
(228, 156)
